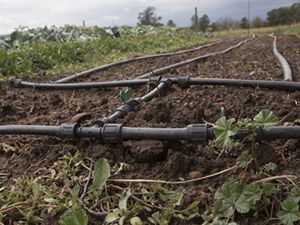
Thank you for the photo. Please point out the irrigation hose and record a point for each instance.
(287, 72)
(106, 66)
(75, 86)
(117, 133)
(166, 69)
(124, 109)
(181, 80)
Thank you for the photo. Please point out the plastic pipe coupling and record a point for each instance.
(197, 133)
(111, 133)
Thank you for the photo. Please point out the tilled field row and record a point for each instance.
(177, 107)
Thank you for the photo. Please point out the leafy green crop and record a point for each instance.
(71, 49)
(74, 217)
(233, 196)
(224, 130)
(289, 212)
(265, 119)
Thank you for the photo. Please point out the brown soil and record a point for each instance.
(179, 107)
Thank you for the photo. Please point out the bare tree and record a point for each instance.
(227, 23)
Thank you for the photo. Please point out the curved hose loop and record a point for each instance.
(103, 67)
(287, 72)
(166, 69)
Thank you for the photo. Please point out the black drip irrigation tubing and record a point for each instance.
(73, 86)
(166, 69)
(129, 106)
(106, 66)
(181, 80)
(287, 72)
(117, 133)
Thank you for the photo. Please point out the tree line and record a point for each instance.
(278, 16)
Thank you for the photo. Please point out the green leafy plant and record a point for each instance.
(74, 217)
(289, 212)
(233, 196)
(224, 130)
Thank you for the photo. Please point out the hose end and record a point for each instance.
(15, 82)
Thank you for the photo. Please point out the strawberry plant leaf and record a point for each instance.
(224, 129)
(74, 217)
(269, 167)
(242, 205)
(253, 193)
(265, 119)
(101, 174)
(289, 213)
(243, 160)
(295, 194)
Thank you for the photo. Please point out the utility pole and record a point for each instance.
(196, 18)
(248, 17)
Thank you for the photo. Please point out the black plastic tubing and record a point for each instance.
(166, 69)
(181, 80)
(124, 109)
(103, 67)
(117, 133)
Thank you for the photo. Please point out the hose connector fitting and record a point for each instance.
(68, 130)
(183, 81)
(111, 133)
(197, 133)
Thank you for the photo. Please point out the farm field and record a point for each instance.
(50, 180)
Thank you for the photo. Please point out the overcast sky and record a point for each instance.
(33, 13)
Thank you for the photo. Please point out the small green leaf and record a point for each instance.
(121, 220)
(242, 205)
(36, 188)
(243, 160)
(269, 167)
(125, 95)
(111, 217)
(136, 221)
(123, 200)
(74, 217)
(252, 193)
(265, 119)
(295, 194)
(289, 213)
(224, 129)
(101, 174)
(176, 197)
